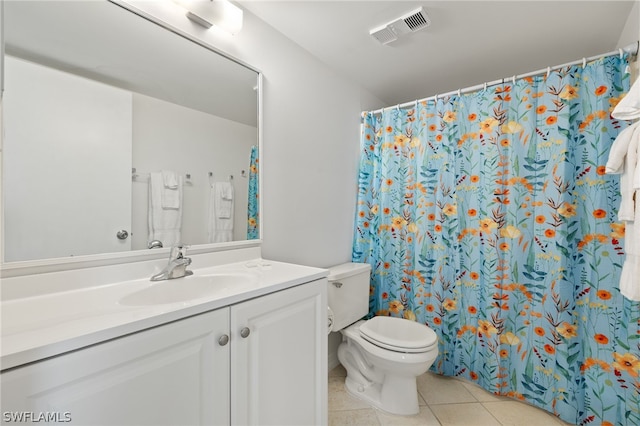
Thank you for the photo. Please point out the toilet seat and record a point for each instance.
(395, 355)
(398, 334)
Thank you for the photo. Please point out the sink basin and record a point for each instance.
(185, 289)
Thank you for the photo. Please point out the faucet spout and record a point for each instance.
(177, 266)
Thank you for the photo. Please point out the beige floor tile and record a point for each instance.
(365, 417)
(513, 413)
(424, 418)
(482, 394)
(340, 400)
(470, 414)
(339, 371)
(421, 400)
(436, 389)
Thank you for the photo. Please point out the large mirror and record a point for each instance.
(119, 133)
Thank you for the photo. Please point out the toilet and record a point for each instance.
(383, 356)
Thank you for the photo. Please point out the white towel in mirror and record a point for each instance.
(170, 179)
(171, 190)
(224, 199)
(164, 224)
(220, 222)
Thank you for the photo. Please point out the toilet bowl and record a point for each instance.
(384, 374)
(383, 356)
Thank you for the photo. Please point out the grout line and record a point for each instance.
(476, 400)
(491, 413)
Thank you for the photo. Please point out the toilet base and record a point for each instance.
(401, 397)
(383, 378)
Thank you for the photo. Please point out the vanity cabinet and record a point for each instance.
(174, 374)
(279, 370)
(258, 362)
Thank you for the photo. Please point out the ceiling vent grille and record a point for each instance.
(417, 21)
(409, 23)
(384, 35)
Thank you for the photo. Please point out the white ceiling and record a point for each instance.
(467, 43)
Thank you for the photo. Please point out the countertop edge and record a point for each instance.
(17, 359)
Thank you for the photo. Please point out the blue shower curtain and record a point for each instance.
(253, 214)
(489, 217)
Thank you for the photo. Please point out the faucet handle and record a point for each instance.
(179, 251)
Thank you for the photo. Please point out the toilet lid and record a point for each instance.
(398, 334)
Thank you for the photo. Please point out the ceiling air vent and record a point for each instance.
(417, 21)
(409, 23)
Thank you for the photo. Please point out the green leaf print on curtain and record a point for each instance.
(489, 217)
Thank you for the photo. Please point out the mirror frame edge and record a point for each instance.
(23, 268)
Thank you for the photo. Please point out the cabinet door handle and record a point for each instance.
(223, 340)
(245, 332)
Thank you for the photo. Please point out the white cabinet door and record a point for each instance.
(279, 370)
(176, 374)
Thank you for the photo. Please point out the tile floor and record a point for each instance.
(444, 401)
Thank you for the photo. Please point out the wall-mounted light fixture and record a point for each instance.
(208, 13)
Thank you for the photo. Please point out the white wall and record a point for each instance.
(172, 137)
(631, 34)
(311, 149)
(310, 141)
(631, 31)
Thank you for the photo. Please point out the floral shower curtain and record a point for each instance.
(489, 218)
(253, 214)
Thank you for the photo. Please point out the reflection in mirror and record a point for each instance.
(119, 132)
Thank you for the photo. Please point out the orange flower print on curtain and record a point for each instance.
(488, 217)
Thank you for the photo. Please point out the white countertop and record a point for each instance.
(46, 325)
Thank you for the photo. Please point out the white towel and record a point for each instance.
(629, 282)
(169, 179)
(629, 107)
(226, 191)
(171, 192)
(163, 224)
(624, 158)
(220, 221)
(618, 151)
(224, 201)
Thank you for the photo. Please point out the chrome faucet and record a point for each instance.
(154, 244)
(177, 266)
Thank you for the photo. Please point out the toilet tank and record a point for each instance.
(348, 293)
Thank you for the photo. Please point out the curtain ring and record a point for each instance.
(485, 85)
(584, 63)
(513, 80)
(548, 71)
(459, 92)
(621, 52)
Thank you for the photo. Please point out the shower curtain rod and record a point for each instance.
(631, 49)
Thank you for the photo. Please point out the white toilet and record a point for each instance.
(384, 355)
